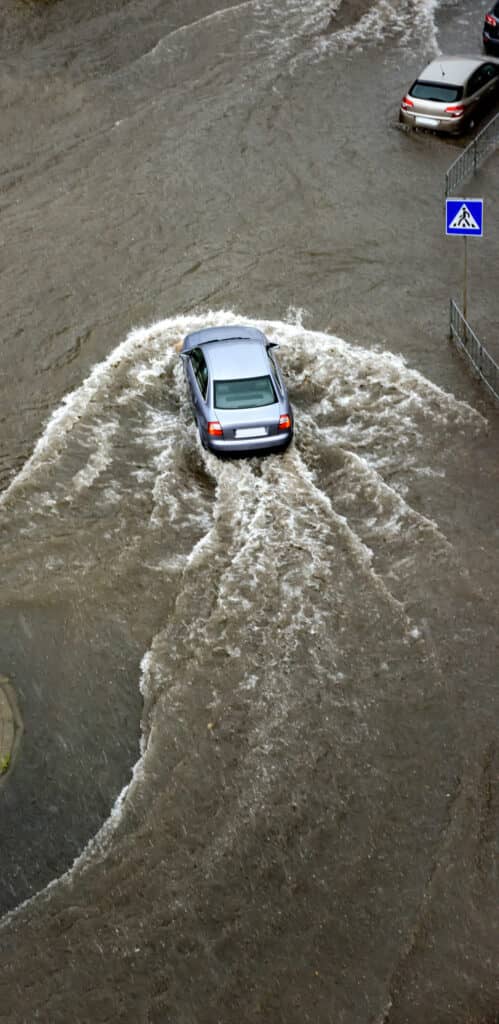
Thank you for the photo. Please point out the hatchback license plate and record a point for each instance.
(251, 432)
(426, 122)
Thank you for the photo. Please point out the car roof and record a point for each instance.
(454, 70)
(236, 359)
(233, 332)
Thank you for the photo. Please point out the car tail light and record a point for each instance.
(490, 20)
(285, 422)
(214, 429)
(455, 110)
(407, 104)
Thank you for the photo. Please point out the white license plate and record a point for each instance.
(251, 432)
(426, 122)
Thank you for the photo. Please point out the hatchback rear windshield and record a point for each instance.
(244, 394)
(436, 92)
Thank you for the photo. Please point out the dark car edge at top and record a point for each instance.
(490, 32)
(450, 93)
(237, 390)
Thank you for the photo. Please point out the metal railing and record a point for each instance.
(468, 343)
(471, 157)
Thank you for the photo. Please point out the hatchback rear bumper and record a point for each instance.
(490, 43)
(451, 125)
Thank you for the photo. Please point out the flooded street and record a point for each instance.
(258, 778)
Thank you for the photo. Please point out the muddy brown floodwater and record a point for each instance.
(258, 774)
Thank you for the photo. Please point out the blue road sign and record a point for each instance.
(464, 217)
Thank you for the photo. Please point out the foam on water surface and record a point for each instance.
(405, 20)
(322, 31)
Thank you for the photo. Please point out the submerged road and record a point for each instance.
(299, 654)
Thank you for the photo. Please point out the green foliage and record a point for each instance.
(4, 764)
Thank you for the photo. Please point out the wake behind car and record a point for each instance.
(490, 33)
(237, 391)
(450, 93)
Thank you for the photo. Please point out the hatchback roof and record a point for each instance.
(454, 70)
(236, 359)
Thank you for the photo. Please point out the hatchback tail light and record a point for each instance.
(214, 429)
(406, 104)
(490, 20)
(455, 110)
(285, 422)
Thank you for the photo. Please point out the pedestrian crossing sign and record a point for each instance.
(464, 217)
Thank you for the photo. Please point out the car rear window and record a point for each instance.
(436, 91)
(248, 393)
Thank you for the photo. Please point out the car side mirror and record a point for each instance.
(272, 344)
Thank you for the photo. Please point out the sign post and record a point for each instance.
(464, 217)
(465, 277)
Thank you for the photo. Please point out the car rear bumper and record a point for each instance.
(451, 125)
(490, 43)
(277, 442)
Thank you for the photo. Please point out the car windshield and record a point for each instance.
(436, 92)
(248, 393)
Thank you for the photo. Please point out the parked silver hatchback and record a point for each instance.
(237, 391)
(450, 92)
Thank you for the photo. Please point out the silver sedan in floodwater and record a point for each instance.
(237, 392)
(450, 93)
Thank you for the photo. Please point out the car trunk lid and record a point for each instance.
(244, 423)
